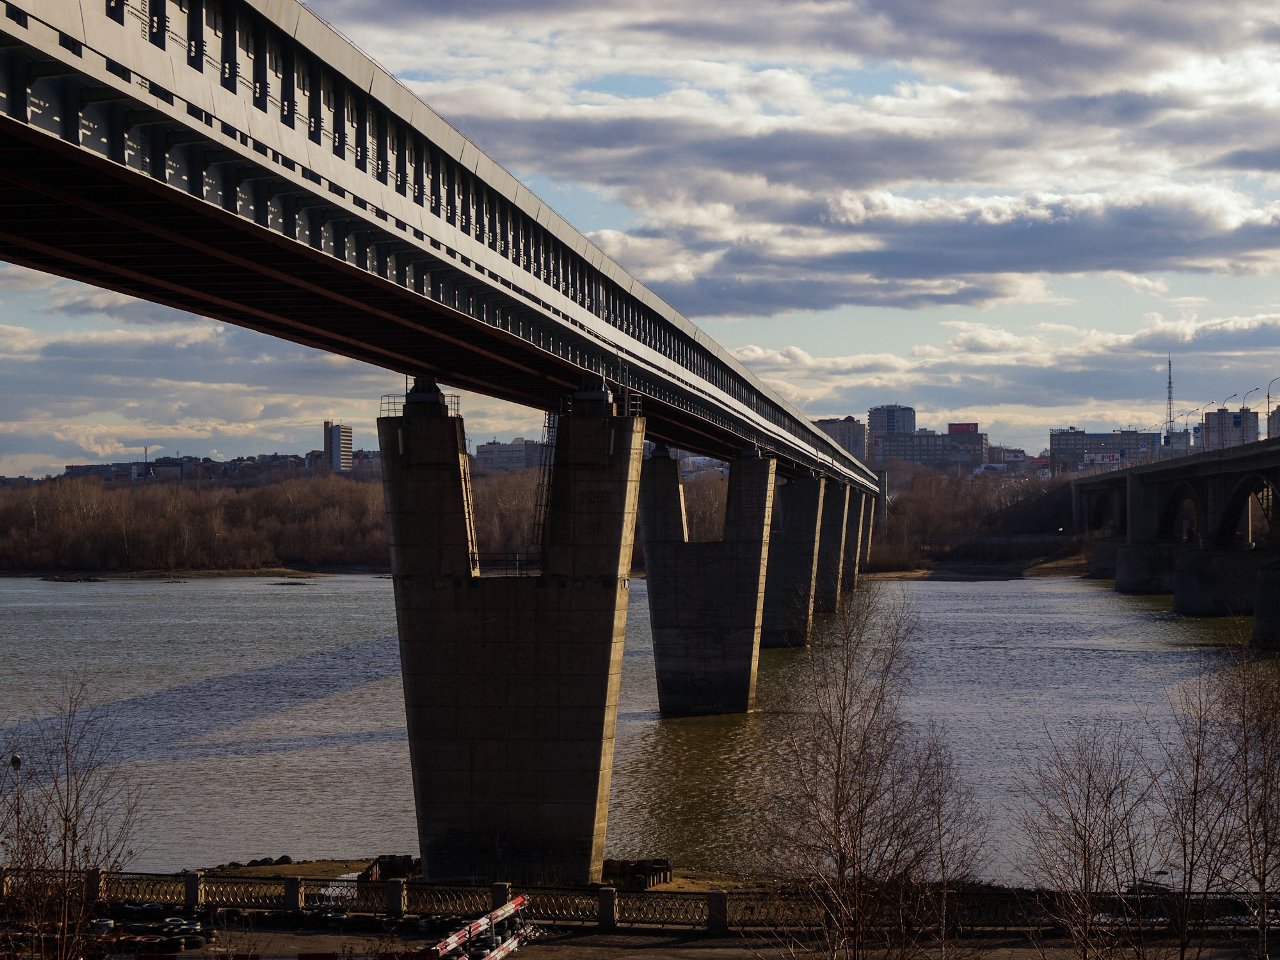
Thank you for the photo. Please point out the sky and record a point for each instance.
(991, 211)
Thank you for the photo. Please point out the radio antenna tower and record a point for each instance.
(1168, 414)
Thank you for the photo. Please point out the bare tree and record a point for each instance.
(705, 494)
(875, 825)
(505, 508)
(68, 812)
(1087, 820)
(1248, 696)
(1192, 799)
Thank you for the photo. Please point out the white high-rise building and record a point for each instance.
(337, 446)
(1225, 428)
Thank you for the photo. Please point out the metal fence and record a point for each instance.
(249, 893)
(753, 911)
(346, 895)
(143, 888)
(656, 909)
(563, 905)
(975, 911)
(429, 899)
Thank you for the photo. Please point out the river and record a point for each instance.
(265, 715)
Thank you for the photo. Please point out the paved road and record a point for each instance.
(589, 945)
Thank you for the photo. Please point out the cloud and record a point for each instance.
(77, 300)
(22, 279)
(793, 360)
(1020, 384)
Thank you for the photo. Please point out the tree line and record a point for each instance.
(933, 515)
(84, 525)
(328, 520)
(331, 520)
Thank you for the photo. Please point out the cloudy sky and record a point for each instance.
(992, 211)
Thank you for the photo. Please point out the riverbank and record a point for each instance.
(290, 573)
(961, 571)
(1076, 565)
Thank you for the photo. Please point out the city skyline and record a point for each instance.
(987, 217)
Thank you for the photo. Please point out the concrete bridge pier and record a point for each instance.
(1216, 581)
(1266, 606)
(857, 539)
(792, 571)
(1146, 567)
(832, 546)
(511, 682)
(706, 600)
(1102, 557)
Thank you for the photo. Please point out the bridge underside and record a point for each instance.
(111, 177)
(73, 214)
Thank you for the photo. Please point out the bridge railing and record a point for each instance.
(392, 404)
(512, 564)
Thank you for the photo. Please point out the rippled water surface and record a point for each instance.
(267, 717)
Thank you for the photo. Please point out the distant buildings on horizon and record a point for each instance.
(890, 433)
(335, 456)
(1074, 451)
(519, 454)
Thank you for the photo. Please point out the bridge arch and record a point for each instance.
(1248, 514)
(1104, 511)
(1182, 514)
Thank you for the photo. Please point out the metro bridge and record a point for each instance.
(241, 160)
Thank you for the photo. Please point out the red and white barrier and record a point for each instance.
(477, 927)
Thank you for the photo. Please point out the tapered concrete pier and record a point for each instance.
(793, 562)
(706, 600)
(832, 546)
(857, 539)
(511, 682)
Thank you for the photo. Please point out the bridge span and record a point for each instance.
(241, 160)
(1202, 528)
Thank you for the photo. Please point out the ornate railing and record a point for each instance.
(426, 898)
(262, 893)
(977, 910)
(755, 910)
(347, 895)
(663, 909)
(143, 888)
(559, 905)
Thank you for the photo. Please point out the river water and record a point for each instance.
(265, 716)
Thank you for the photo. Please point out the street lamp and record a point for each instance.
(1244, 405)
(1273, 380)
(1200, 416)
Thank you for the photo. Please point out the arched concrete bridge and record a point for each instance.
(1203, 528)
(241, 160)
